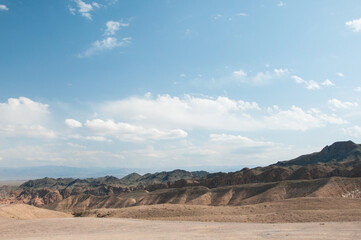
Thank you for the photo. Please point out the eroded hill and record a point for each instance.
(235, 195)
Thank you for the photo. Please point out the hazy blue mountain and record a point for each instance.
(25, 173)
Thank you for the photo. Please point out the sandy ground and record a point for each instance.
(115, 228)
(23, 211)
(283, 211)
(45, 224)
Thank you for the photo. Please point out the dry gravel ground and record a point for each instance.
(116, 228)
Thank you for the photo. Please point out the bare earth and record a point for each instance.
(283, 211)
(112, 228)
(303, 218)
(23, 211)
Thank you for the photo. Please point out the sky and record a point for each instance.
(165, 84)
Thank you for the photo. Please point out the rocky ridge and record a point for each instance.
(286, 179)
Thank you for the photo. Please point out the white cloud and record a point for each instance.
(74, 145)
(35, 131)
(257, 78)
(25, 155)
(95, 4)
(242, 14)
(327, 83)
(222, 113)
(151, 152)
(128, 132)
(106, 44)
(240, 73)
(217, 16)
(72, 123)
(337, 104)
(281, 4)
(72, 10)
(24, 117)
(84, 8)
(237, 139)
(310, 85)
(3, 8)
(358, 89)
(355, 25)
(340, 74)
(298, 79)
(22, 110)
(114, 26)
(354, 131)
(90, 138)
(281, 72)
(298, 119)
(260, 78)
(182, 75)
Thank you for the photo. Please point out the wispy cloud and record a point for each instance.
(340, 74)
(355, 25)
(217, 16)
(281, 4)
(84, 8)
(106, 44)
(310, 85)
(3, 7)
(260, 78)
(241, 140)
(336, 104)
(90, 138)
(242, 14)
(114, 26)
(354, 131)
(327, 83)
(240, 73)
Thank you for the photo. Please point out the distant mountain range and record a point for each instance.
(334, 171)
(131, 180)
(341, 159)
(26, 173)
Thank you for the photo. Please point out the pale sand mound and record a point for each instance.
(23, 211)
(290, 210)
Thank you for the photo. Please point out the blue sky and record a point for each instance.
(176, 84)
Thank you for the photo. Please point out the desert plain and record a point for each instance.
(303, 218)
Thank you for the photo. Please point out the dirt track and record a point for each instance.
(111, 228)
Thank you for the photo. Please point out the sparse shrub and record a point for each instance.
(79, 214)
